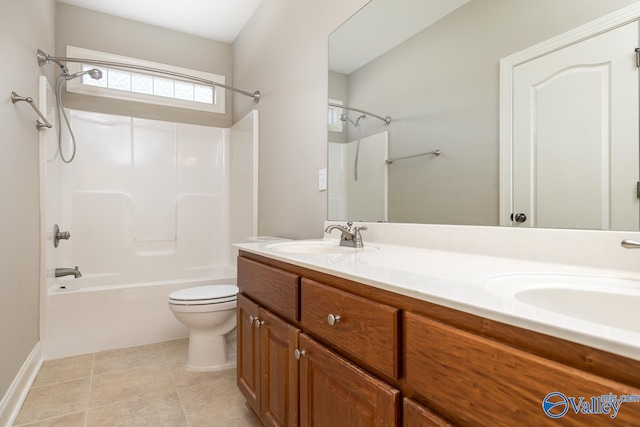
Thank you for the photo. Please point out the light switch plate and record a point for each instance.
(322, 180)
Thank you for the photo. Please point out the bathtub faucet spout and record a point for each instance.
(68, 272)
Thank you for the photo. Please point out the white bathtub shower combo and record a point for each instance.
(152, 208)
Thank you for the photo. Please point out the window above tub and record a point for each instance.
(145, 87)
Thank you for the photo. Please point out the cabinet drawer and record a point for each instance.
(366, 329)
(275, 289)
(479, 381)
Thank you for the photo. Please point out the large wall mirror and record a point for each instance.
(414, 116)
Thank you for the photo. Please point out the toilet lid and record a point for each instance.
(212, 294)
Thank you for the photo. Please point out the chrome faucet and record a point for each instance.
(68, 272)
(351, 236)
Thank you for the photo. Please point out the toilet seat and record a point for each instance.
(204, 295)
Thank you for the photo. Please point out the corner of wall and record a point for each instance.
(16, 394)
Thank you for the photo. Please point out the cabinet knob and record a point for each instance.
(333, 319)
(258, 322)
(251, 319)
(299, 353)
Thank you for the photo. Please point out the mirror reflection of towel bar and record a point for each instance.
(434, 153)
(39, 124)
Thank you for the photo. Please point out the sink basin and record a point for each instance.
(606, 301)
(325, 247)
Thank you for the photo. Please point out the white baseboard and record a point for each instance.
(14, 397)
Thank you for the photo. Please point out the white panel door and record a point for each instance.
(575, 135)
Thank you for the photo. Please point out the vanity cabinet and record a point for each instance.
(279, 369)
(371, 357)
(267, 370)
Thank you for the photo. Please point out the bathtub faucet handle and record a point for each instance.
(59, 235)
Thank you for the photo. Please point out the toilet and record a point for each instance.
(210, 313)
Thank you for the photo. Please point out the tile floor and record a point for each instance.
(139, 386)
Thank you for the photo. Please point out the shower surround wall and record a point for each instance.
(366, 198)
(145, 200)
(149, 209)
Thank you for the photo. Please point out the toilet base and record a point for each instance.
(229, 365)
(210, 353)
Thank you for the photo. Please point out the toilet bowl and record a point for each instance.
(210, 313)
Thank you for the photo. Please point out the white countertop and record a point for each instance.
(458, 280)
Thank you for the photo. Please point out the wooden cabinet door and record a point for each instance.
(279, 371)
(416, 415)
(248, 352)
(483, 382)
(337, 393)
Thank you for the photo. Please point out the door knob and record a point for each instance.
(519, 217)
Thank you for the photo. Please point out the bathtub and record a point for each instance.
(96, 313)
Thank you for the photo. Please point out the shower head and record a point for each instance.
(356, 122)
(94, 73)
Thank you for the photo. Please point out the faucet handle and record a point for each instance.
(357, 237)
(357, 230)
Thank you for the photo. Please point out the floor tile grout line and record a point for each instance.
(118, 371)
(48, 419)
(58, 382)
(51, 385)
(86, 409)
(173, 382)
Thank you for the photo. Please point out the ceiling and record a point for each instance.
(380, 26)
(219, 20)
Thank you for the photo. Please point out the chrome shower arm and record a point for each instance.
(43, 59)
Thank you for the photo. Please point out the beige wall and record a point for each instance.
(25, 26)
(98, 31)
(441, 89)
(283, 52)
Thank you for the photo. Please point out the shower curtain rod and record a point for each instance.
(386, 120)
(44, 58)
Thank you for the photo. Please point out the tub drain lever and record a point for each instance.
(59, 235)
